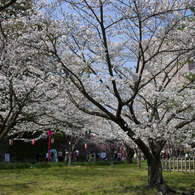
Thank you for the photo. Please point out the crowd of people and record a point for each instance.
(102, 156)
(75, 155)
(91, 156)
(166, 155)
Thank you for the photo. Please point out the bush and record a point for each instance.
(11, 165)
(61, 164)
(98, 163)
(15, 165)
(42, 165)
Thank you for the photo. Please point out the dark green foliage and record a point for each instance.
(98, 163)
(190, 77)
(42, 165)
(15, 165)
(49, 165)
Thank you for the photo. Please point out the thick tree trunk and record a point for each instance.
(155, 171)
(129, 159)
(130, 154)
(152, 155)
(155, 178)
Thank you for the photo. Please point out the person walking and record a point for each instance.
(90, 157)
(115, 156)
(94, 156)
(66, 156)
(46, 157)
(59, 156)
(75, 156)
(103, 156)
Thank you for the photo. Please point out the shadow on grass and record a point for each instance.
(18, 186)
(138, 190)
(131, 190)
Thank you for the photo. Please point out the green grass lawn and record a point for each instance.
(120, 179)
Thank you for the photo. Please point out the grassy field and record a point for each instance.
(120, 179)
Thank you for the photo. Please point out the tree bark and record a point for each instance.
(7, 5)
(130, 154)
(71, 149)
(155, 177)
(155, 171)
(70, 160)
(138, 157)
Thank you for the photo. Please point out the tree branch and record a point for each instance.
(7, 5)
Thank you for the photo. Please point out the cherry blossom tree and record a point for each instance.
(26, 91)
(17, 81)
(122, 60)
(32, 99)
